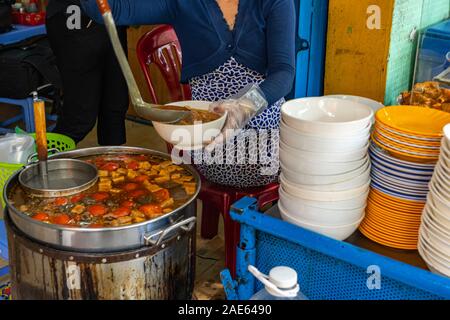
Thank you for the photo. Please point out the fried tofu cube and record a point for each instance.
(78, 209)
(153, 188)
(103, 173)
(189, 190)
(156, 167)
(168, 203)
(168, 210)
(105, 186)
(190, 184)
(118, 180)
(122, 171)
(145, 165)
(175, 176)
(162, 179)
(171, 169)
(165, 164)
(131, 174)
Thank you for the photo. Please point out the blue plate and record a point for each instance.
(398, 194)
(401, 175)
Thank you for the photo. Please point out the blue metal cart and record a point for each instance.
(327, 269)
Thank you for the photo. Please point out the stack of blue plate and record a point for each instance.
(400, 178)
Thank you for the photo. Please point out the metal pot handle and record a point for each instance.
(185, 225)
(31, 158)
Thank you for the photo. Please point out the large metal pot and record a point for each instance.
(151, 260)
(164, 272)
(149, 233)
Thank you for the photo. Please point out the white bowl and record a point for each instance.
(190, 137)
(435, 252)
(341, 186)
(438, 189)
(350, 204)
(444, 157)
(434, 265)
(440, 209)
(327, 115)
(312, 180)
(301, 141)
(296, 191)
(338, 232)
(296, 208)
(447, 134)
(435, 240)
(374, 105)
(334, 157)
(433, 227)
(302, 165)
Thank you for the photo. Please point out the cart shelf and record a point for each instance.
(327, 269)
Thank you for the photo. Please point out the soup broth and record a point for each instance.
(131, 189)
(195, 115)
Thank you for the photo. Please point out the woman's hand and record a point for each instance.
(240, 110)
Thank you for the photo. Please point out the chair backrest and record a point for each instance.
(162, 48)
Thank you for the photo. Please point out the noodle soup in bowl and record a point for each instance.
(195, 131)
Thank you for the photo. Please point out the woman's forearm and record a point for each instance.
(278, 84)
(280, 50)
(134, 12)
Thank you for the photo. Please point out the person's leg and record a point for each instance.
(114, 103)
(80, 63)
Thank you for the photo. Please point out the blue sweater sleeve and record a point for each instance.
(135, 12)
(280, 50)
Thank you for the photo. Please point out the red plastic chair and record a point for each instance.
(161, 47)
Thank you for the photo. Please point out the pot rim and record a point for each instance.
(99, 151)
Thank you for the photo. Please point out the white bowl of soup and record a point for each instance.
(195, 131)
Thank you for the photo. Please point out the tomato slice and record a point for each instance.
(150, 209)
(127, 204)
(121, 212)
(77, 198)
(41, 216)
(110, 166)
(162, 195)
(100, 196)
(133, 165)
(141, 179)
(97, 210)
(137, 193)
(61, 202)
(61, 219)
(130, 186)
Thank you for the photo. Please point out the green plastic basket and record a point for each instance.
(54, 141)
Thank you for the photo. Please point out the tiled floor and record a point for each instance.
(210, 253)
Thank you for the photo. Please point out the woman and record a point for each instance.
(239, 53)
(94, 87)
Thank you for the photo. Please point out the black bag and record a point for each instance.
(5, 16)
(27, 66)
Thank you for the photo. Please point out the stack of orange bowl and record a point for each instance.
(404, 151)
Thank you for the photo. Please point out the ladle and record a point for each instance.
(54, 178)
(145, 110)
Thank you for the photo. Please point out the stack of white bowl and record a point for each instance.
(434, 238)
(325, 165)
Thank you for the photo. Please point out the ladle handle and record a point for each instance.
(104, 7)
(41, 129)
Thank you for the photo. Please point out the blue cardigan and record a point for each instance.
(263, 38)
